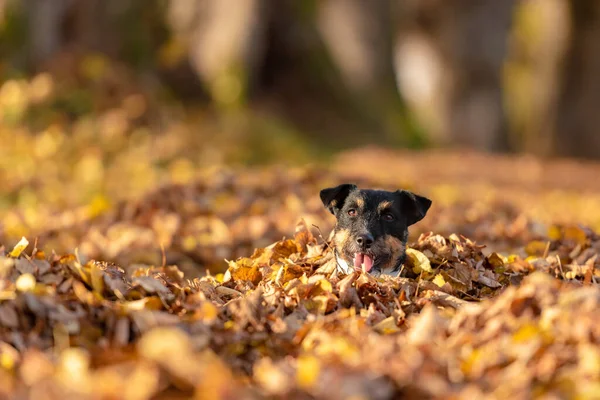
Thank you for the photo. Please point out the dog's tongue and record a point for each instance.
(360, 259)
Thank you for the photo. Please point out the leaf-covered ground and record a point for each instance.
(499, 296)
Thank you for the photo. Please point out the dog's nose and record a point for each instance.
(364, 240)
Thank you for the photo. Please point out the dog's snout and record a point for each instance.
(364, 240)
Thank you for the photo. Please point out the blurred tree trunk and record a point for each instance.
(456, 58)
(359, 36)
(578, 120)
(476, 59)
(224, 40)
(45, 22)
(118, 28)
(327, 65)
(532, 73)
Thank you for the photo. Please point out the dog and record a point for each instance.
(372, 227)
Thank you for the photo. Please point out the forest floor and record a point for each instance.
(109, 295)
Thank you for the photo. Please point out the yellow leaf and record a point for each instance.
(71, 262)
(496, 260)
(308, 371)
(322, 287)
(97, 277)
(325, 285)
(419, 261)
(19, 248)
(512, 258)
(387, 326)
(439, 280)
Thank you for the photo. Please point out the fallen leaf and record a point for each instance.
(19, 248)
(387, 326)
(418, 261)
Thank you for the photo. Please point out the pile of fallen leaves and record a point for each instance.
(497, 297)
(229, 212)
(460, 322)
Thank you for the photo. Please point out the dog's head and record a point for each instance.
(372, 226)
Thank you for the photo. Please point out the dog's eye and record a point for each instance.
(352, 212)
(388, 217)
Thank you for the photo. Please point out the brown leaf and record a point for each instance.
(150, 285)
(8, 316)
(303, 237)
(347, 292)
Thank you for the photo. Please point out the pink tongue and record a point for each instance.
(368, 262)
(360, 259)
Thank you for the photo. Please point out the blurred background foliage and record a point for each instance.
(102, 100)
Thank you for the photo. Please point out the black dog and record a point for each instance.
(372, 226)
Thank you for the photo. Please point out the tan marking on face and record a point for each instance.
(397, 248)
(340, 238)
(360, 202)
(384, 205)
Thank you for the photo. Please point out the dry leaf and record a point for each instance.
(19, 248)
(418, 261)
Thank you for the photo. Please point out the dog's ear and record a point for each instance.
(334, 198)
(413, 206)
